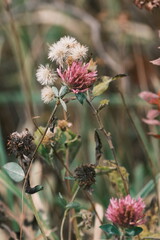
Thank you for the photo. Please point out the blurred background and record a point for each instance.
(121, 37)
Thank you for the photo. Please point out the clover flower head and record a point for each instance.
(126, 212)
(45, 75)
(58, 53)
(79, 52)
(66, 48)
(47, 94)
(68, 42)
(77, 77)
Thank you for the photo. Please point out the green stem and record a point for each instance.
(109, 140)
(34, 154)
(66, 213)
(20, 59)
(40, 224)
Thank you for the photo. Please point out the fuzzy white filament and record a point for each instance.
(45, 75)
(47, 94)
(66, 47)
(79, 52)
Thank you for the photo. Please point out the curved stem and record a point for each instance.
(109, 140)
(66, 213)
(34, 154)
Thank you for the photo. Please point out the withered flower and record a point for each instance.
(21, 144)
(85, 175)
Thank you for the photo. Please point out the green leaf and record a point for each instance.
(55, 91)
(110, 229)
(63, 90)
(80, 97)
(33, 190)
(62, 200)
(15, 171)
(63, 104)
(6, 181)
(103, 86)
(134, 231)
(100, 88)
(73, 205)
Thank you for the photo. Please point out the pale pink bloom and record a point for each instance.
(151, 115)
(151, 121)
(156, 62)
(148, 96)
(77, 77)
(154, 99)
(126, 212)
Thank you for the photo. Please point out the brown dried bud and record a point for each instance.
(85, 175)
(21, 144)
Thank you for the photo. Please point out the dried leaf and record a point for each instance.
(98, 146)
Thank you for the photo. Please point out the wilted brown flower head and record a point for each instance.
(85, 175)
(21, 144)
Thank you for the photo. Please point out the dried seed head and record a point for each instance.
(86, 218)
(85, 175)
(47, 94)
(45, 75)
(21, 144)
